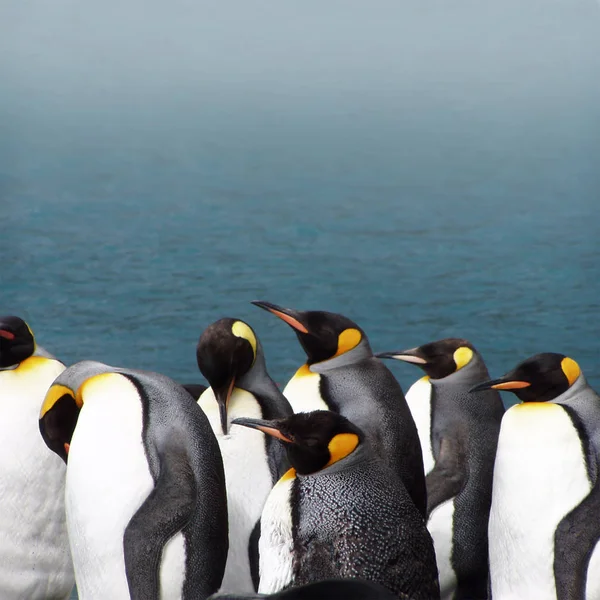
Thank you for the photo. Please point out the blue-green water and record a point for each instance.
(442, 179)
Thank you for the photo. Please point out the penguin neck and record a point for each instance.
(359, 353)
(258, 383)
(579, 386)
(357, 457)
(474, 370)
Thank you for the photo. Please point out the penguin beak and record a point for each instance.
(268, 427)
(292, 317)
(7, 335)
(223, 395)
(410, 356)
(504, 383)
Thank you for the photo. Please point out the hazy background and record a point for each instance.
(428, 168)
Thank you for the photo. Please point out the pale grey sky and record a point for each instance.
(68, 51)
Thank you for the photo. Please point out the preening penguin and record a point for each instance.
(145, 491)
(35, 561)
(330, 589)
(341, 374)
(544, 525)
(340, 512)
(231, 358)
(459, 434)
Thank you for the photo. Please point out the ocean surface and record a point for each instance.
(417, 228)
(441, 179)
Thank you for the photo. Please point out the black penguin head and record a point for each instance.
(438, 359)
(226, 351)
(323, 335)
(313, 440)
(16, 341)
(540, 378)
(58, 418)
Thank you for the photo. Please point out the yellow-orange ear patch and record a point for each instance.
(242, 330)
(570, 369)
(54, 394)
(341, 445)
(347, 340)
(462, 356)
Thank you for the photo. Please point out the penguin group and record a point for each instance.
(131, 485)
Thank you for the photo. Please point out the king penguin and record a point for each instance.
(330, 589)
(231, 358)
(145, 490)
(35, 561)
(459, 434)
(544, 525)
(340, 512)
(342, 375)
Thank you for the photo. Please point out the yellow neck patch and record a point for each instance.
(303, 371)
(90, 383)
(30, 364)
(424, 378)
(570, 369)
(54, 394)
(289, 474)
(347, 340)
(341, 445)
(462, 356)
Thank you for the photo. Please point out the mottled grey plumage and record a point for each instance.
(361, 388)
(354, 519)
(464, 437)
(331, 589)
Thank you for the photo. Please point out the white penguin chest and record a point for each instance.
(303, 391)
(247, 477)
(108, 479)
(35, 561)
(276, 544)
(539, 476)
(418, 399)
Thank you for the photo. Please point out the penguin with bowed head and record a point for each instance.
(145, 490)
(544, 526)
(231, 358)
(330, 589)
(459, 434)
(340, 512)
(35, 561)
(341, 374)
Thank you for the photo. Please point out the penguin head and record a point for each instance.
(438, 359)
(312, 440)
(16, 341)
(540, 378)
(323, 335)
(226, 351)
(62, 405)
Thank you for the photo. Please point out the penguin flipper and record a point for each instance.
(254, 555)
(165, 511)
(574, 541)
(448, 476)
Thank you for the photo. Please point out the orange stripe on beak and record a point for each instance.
(275, 433)
(511, 385)
(289, 320)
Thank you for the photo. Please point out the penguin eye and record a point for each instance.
(311, 442)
